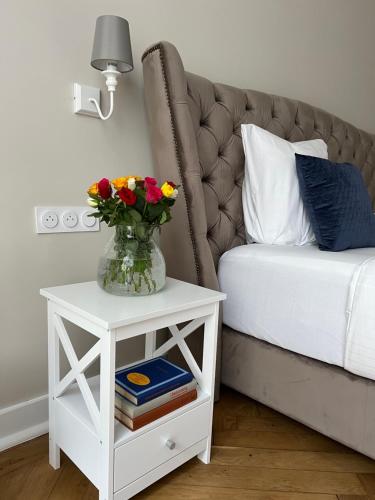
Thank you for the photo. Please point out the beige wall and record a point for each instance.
(321, 51)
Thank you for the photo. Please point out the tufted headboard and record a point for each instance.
(196, 142)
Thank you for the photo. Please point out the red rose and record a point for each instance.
(127, 196)
(150, 181)
(153, 194)
(104, 188)
(172, 184)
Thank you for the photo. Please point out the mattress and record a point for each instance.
(296, 298)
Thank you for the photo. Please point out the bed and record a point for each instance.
(196, 142)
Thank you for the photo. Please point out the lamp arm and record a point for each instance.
(95, 102)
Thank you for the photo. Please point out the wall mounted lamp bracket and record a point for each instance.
(111, 74)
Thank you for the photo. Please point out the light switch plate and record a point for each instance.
(65, 220)
(81, 96)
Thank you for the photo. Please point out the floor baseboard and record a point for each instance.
(23, 421)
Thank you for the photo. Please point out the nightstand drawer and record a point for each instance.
(136, 458)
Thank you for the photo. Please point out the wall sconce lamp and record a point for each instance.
(112, 55)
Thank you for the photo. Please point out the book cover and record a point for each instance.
(134, 411)
(150, 416)
(152, 378)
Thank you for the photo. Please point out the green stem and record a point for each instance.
(144, 210)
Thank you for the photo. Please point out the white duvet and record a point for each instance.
(320, 304)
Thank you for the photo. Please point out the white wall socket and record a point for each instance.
(65, 220)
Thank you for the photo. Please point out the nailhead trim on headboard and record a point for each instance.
(160, 49)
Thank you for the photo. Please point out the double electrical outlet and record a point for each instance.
(65, 220)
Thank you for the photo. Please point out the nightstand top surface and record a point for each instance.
(112, 311)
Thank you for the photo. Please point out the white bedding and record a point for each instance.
(360, 338)
(304, 300)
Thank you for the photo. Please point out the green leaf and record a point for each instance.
(139, 204)
(135, 215)
(141, 232)
(141, 193)
(155, 211)
(126, 219)
(163, 218)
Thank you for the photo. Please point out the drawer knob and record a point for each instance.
(170, 444)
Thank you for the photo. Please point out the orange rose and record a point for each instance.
(122, 182)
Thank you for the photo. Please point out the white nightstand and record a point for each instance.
(120, 463)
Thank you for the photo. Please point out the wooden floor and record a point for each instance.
(258, 454)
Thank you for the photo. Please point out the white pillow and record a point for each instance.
(273, 208)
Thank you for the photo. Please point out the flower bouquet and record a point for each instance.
(133, 263)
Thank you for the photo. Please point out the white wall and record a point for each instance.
(319, 51)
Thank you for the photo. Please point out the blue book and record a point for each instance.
(148, 380)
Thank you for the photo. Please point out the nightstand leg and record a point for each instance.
(208, 371)
(107, 403)
(53, 380)
(150, 344)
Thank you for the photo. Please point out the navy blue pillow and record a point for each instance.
(337, 203)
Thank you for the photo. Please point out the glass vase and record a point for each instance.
(132, 263)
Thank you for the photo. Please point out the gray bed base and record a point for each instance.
(324, 397)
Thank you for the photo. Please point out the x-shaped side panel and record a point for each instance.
(178, 338)
(76, 372)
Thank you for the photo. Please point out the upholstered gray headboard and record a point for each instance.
(196, 142)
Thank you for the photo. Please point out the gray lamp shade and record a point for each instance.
(112, 44)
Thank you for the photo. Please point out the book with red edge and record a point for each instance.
(150, 416)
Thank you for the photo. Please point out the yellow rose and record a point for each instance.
(93, 189)
(121, 182)
(167, 190)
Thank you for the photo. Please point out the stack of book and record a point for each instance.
(151, 389)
